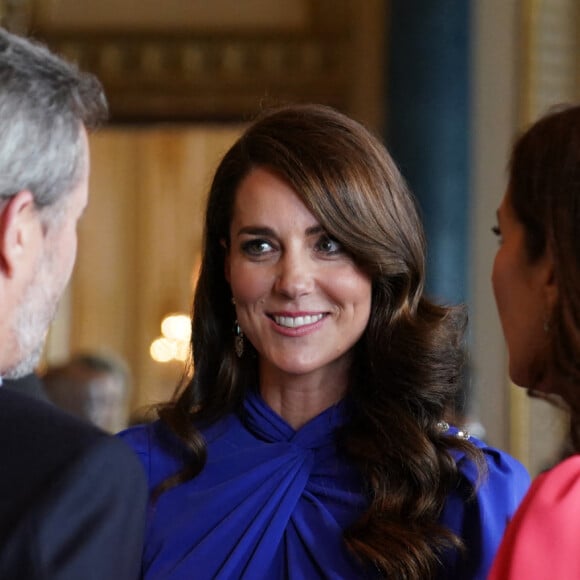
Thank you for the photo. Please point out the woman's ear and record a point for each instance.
(20, 232)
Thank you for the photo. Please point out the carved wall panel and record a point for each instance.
(189, 60)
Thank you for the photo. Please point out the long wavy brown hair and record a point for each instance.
(544, 189)
(407, 365)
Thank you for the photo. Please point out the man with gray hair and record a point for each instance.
(72, 499)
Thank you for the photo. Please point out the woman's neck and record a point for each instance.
(299, 399)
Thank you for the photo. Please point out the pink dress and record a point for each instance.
(543, 539)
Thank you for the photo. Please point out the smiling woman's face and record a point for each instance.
(300, 299)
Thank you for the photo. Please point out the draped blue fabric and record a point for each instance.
(273, 502)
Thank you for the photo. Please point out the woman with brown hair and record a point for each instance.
(536, 279)
(310, 441)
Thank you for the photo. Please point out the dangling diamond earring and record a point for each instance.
(238, 340)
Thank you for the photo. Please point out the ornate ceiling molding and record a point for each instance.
(216, 74)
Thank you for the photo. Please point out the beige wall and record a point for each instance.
(139, 242)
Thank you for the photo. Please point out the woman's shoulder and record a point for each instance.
(499, 464)
(499, 460)
(143, 438)
(498, 485)
(555, 494)
(554, 498)
(163, 452)
(541, 541)
(154, 444)
(479, 508)
(560, 481)
(158, 437)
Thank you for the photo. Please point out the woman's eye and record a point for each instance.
(329, 245)
(256, 247)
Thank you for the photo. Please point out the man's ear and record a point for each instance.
(226, 260)
(20, 228)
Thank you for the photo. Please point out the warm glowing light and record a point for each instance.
(174, 344)
(182, 351)
(176, 327)
(162, 350)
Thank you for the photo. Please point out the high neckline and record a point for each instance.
(264, 423)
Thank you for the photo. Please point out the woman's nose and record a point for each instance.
(295, 276)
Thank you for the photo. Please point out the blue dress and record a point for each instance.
(272, 503)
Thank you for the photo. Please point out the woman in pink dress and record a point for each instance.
(536, 281)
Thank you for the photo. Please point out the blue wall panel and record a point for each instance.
(428, 128)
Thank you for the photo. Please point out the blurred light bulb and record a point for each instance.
(162, 350)
(182, 351)
(177, 327)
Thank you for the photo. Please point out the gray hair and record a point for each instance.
(44, 103)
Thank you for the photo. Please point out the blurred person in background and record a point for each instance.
(92, 386)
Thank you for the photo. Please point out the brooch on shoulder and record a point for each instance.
(444, 427)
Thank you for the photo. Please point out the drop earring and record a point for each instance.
(238, 340)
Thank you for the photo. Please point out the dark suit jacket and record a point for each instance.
(72, 499)
(30, 385)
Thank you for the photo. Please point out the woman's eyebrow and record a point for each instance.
(256, 231)
(317, 229)
(266, 231)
